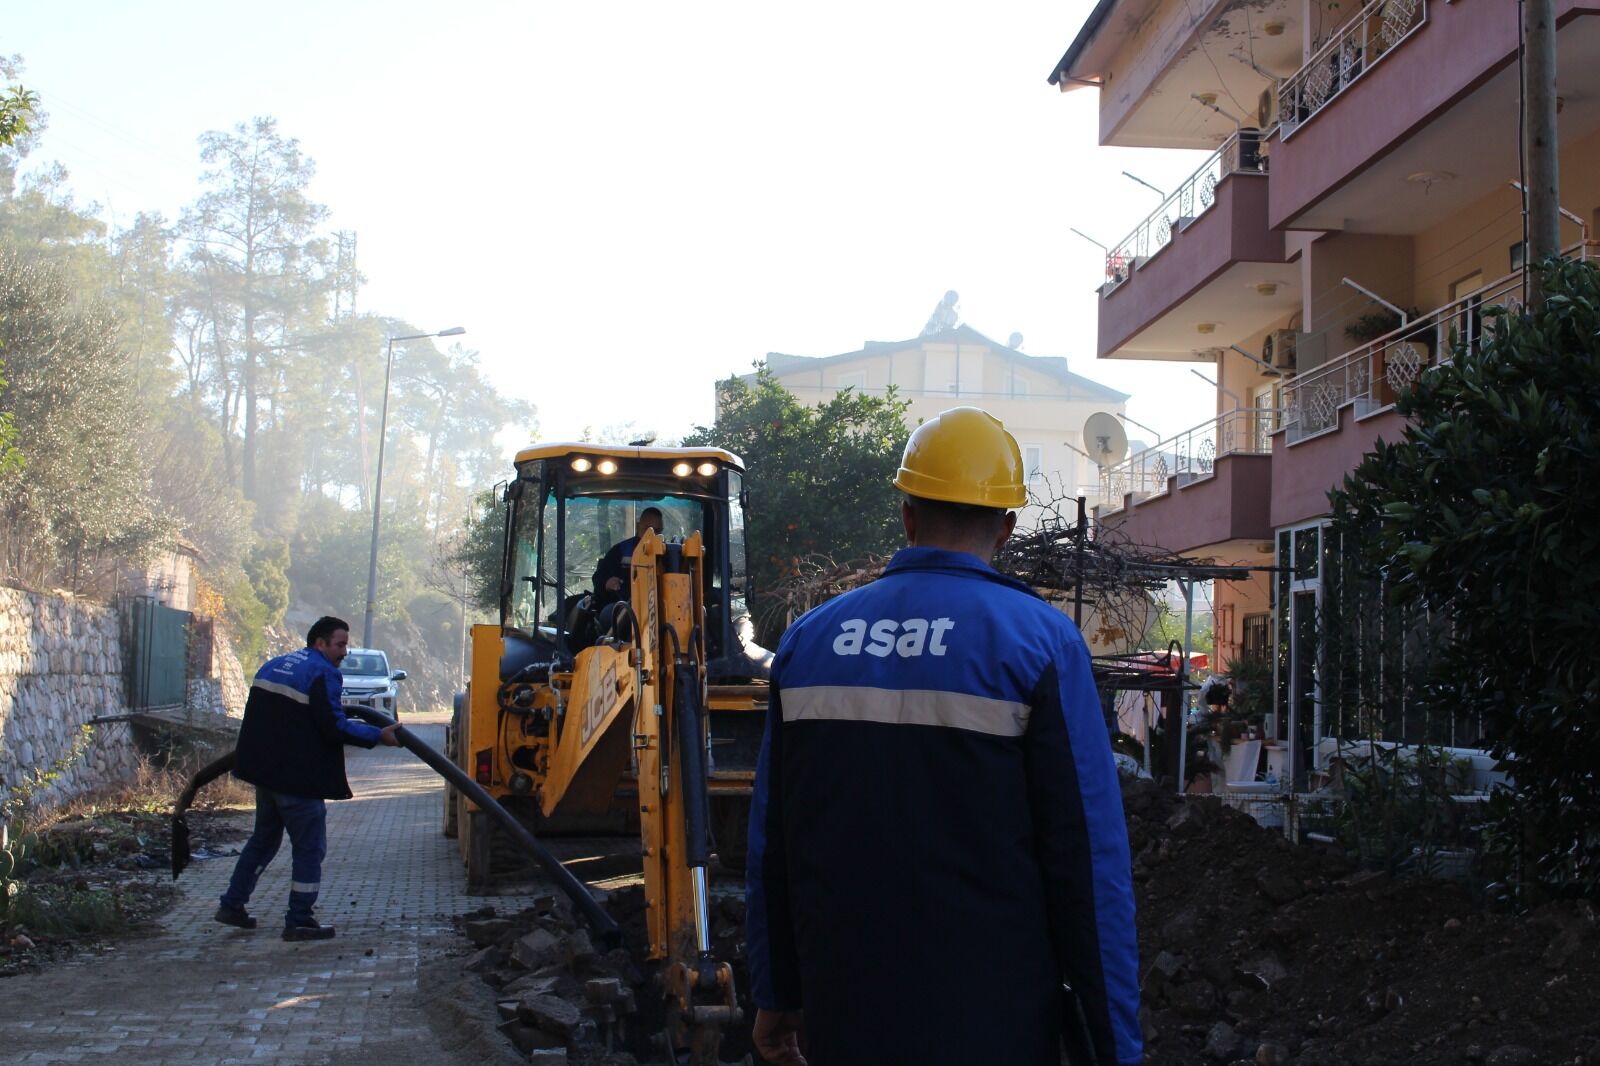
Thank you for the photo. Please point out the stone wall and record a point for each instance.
(60, 665)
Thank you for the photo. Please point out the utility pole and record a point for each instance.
(1542, 203)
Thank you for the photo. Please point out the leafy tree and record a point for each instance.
(16, 107)
(257, 265)
(267, 567)
(475, 554)
(819, 478)
(83, 500)
(1487, 513)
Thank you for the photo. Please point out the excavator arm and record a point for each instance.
(639, 695)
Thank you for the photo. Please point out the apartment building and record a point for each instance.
(1357, 211)
(1041, 402)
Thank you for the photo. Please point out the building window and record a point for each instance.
(1033, 461)
(856, 379)
(1256, 644)
(1019, 388)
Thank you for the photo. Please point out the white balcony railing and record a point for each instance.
(1353, 50)
(1239, 153)
(1190, 455)
(1371, 376)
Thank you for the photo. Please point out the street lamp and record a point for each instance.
(377, 489)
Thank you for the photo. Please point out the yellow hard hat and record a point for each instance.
(963, 455)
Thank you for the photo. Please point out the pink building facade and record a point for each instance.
(1357, 213)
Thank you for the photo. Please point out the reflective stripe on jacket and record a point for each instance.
(937, 838)
(294, 730)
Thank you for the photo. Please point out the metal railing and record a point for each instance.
(1372, 375)
(1190, 455)
(1373, 33)
(1240, 153)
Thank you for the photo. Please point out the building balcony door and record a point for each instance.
(1297, 600)
(1468, 322)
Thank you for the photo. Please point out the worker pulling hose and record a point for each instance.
(599, 921)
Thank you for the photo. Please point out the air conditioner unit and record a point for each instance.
(1267, 108)
(1279, 348)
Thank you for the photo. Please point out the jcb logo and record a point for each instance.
(907, 639)
(602, 687)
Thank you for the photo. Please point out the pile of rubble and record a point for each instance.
(1254, 952)
(560, 1000)
(563, 1002)
(1260, 952)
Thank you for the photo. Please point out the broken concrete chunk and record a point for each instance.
(487, 931)
(483, 961)
(550, 1013)
(1221, 1043)
(555, 1056)
(603, 990)
(539, 948)
(539, 985)
(579, 947)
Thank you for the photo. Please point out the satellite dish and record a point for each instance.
(1015, 342)
(1104, 439)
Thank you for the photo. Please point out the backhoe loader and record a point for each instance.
(642, 715)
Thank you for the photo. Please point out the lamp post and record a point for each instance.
(377, 488)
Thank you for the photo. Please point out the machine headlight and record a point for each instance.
(682, 469)
(607, 466)
(707, 469)
(580, 464)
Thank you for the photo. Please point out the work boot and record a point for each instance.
(307, 929)
(234, 916)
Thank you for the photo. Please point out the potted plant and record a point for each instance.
(1374, 324)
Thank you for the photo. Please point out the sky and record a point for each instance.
(624, 202)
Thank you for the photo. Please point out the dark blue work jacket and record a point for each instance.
(294, 731)
(937, 838)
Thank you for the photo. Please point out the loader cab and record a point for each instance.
(571, 502)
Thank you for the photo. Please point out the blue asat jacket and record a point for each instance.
(937, 839)
(294, 730)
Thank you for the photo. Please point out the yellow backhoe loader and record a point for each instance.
(639, 715)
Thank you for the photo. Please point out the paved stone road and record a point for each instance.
(199, 992)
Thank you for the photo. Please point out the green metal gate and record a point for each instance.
(156, 653)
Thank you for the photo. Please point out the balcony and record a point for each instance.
(1206, 486)
(1408, 92)
(1366, 40)
(1334, 414)
(1369, 378)
(1205, 254)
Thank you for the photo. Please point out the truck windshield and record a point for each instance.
(365, 664)
(594, 524)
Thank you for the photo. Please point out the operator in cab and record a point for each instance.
(937, 818)
(611, 576)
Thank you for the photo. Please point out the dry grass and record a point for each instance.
(153, 790)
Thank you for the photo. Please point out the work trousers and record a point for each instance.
(307, 823)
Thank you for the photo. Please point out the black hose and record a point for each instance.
(180, 825)
(599, 921)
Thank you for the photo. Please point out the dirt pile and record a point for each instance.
(1255, 950)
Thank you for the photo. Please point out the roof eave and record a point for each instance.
(1086, 34)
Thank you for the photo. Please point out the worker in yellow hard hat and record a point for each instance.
(937, 821)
